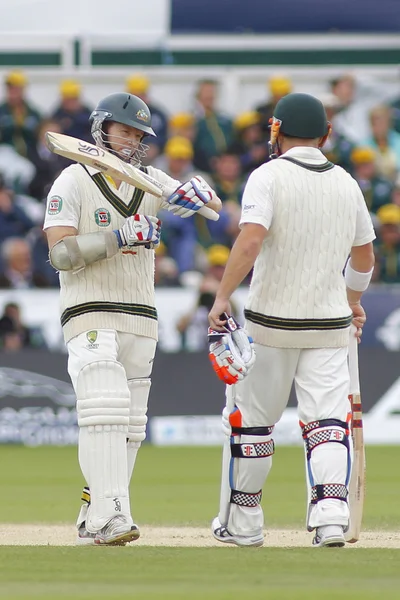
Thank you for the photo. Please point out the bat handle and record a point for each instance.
(209, 213)
(353, 362)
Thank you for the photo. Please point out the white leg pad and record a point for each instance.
(328, 460)
(103, 401)
(246, 462)
(102, 394)
(246, 479)
(139, 395)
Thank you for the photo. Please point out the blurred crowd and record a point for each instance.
(223, 148)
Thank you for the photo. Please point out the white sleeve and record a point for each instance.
(170, 183)
(63, 202)
(364, 228)
(257, 201)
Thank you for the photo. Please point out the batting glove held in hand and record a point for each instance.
(190, 197)
(231, 352)
(139, 230)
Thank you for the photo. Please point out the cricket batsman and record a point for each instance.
(101, 234)
(301, 218)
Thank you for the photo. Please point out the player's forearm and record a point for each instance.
(241, 261)
(75, 252)
(359, 271)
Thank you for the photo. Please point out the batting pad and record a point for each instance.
(246, 462)
(103, 396)
(139, 395)
(103, 400)
(328, 455)
(139, 390)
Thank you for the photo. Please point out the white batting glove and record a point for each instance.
(189, 197)
(232, 353)
(139, 230)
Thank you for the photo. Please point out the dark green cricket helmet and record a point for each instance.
(122, 108)
(302, 116)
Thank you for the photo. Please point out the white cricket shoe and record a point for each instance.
(117, 532)
(329, 536)
(85, 538)
(221, 533)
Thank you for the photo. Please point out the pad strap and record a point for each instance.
(257, 450)
(328, 430)
(246, 498)
(337, 491)
(323, 423)
(323, 436)
(252, 430)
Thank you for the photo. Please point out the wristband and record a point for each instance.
(356, 281)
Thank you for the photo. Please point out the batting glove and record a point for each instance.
(189, 197)
(139, 230)
(231, 352)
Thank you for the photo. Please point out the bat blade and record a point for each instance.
(357, 480)
(94, 156)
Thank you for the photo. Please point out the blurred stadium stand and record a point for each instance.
(286, 16)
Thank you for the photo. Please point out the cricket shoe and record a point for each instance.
(85, 538)
(117, 532)
(329, 536)
(221, 533)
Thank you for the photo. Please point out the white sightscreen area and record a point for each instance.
(86, 16)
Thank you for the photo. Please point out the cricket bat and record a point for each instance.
(357, 480)
(94, 156)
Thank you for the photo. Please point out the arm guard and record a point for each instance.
(75, 252)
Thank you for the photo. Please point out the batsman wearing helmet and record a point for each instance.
(101, 234)
(301, 219)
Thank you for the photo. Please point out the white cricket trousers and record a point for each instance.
(320, 375)
(321, 380)
(134, 352)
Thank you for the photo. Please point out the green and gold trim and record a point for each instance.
(86, 495)
(298, 324)
(134, 310)
(326, 166)
(126, 210)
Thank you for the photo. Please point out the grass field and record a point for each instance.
(180, 486)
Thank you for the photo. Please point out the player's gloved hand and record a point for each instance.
(231, 352)
(139, 230)
(189, 197)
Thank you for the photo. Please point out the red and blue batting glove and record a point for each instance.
(189, 197)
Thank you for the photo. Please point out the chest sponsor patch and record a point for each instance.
(102, 217)
(55, 205)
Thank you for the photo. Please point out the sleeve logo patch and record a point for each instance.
(102, 217)
(55, 205)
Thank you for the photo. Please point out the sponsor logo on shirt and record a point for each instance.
(249, 206)
(102, 217)
(55, 205)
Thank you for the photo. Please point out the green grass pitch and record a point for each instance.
(180, 486)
